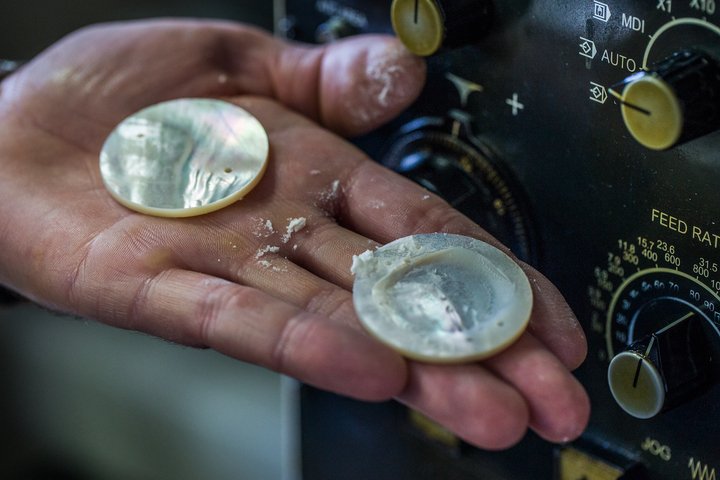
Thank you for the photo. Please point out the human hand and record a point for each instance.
(212, 281)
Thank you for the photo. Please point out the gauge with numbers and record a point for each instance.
(656, 304)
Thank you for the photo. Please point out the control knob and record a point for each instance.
(676, 101)
(426, 25)
(661, 370)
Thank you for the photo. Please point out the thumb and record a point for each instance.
(351, 86)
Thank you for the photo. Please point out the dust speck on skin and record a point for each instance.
(426, 197)
(269, 266)
(330, 194)
(385, 77)
(315, 173)
(263, 228)
(334, 188)
(261, 252)
(384, 67)
(376, 204)
(222, 78)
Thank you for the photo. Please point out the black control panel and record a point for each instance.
(582, 133)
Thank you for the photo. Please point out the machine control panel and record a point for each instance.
(584, 135)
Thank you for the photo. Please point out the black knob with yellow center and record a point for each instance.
(424, 26)
(676, 101)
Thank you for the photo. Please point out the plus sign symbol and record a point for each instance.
(515, 104)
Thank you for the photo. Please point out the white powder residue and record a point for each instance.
(327, 197)
(361, 261)
(268, 265)
(263, 228)
(261, 252)
(407, 246)
(385, 75)
(315, 173)
(426, 197)
(294, 226)
(331, 193)
(384, 72)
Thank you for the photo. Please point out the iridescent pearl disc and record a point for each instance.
(184, 157)
(442, 298)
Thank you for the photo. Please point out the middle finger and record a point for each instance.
(490, 404)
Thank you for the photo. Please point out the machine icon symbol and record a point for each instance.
(601, 11)
(587, 48)
(598, 93)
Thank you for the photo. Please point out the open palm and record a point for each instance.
(237, 280)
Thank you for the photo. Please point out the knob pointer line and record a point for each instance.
(640, 361)
(417, 10)
(620, 98)
(652, 342)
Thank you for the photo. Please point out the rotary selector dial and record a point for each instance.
(676, 101)
(445, 157)
(663, 368)
(426, 25)
(661, 334)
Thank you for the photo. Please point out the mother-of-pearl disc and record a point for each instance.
(442, 298)
(184, 157)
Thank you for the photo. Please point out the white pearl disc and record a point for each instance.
(184, 157)
(442, 298)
